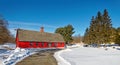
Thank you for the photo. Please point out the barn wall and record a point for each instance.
(60, 45)
(23, 44)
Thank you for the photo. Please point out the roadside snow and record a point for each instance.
(61, 61)
(11, 57)
(17, 55)
(89, 56)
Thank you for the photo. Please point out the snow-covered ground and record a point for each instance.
(14, 56)
(10, 55)
(88, 56)
(73, 55)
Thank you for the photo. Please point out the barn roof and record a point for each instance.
(28, 35)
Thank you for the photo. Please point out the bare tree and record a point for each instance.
(77, 39)
(5, 35)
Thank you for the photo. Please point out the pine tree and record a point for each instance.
(91, 32)
(117, 41)
(107, 27)
(66, 32)
(100, 29)
(86, 38)
(113, 35)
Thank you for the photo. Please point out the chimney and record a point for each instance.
(42, 29)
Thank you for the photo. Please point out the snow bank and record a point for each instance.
(8, 46)
(60, 60)
(74, 46)
(16, 56)
(19, 54)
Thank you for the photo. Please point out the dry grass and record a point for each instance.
(39, 59)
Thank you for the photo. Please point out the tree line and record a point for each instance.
(5, 36)
(101, 30)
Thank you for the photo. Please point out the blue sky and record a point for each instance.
(31, 14)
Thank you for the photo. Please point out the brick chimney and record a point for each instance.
(42, 29)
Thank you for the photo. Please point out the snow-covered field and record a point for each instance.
(88, 56)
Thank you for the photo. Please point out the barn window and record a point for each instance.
(49, 44)
(42, 44)
(61, 43)
(55, 44)
(31, 44)
(37, 43)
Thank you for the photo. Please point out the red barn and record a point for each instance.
(35, 39)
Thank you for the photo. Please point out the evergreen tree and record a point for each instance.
(66, 32)
(86, 38)
(107, 27)
(100, 29)
(60, 30)
(117, 41)
(91, 31)
(113, 35)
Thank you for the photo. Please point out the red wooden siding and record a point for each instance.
(23, 44)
